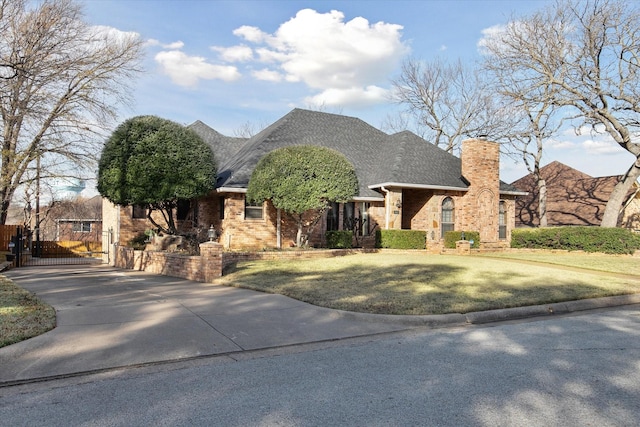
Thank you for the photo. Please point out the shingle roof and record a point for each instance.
(378, 158)
(223, 146)
(354, 138)
(412, 160)
(573, 197)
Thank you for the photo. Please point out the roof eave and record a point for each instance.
(418, 186)
(231, 190)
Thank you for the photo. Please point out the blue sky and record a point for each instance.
(233, 63)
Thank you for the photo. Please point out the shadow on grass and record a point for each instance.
(418, 289)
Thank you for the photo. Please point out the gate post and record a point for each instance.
(18, 247)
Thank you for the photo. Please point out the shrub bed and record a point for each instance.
(401, 239)
(339, 239)
(588, 239)
(451, 237)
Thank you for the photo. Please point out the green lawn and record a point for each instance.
(418, 283)
(22, 314)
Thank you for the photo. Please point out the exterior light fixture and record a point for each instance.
(211, 233)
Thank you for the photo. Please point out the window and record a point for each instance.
(364, 218)
(332, 217)
(221, 207)
(81, 226)
(349, 216)
(448, 216)
(139, 212)
(502, 220)
(252, 211)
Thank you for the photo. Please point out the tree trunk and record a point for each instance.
(542, 202)
(299, 235)
(614, 205)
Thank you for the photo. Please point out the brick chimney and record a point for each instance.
(481, 168)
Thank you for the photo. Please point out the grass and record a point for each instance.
(22, 314)
(392, 283)
(589, 261)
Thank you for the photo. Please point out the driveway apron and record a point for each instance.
(108, 318)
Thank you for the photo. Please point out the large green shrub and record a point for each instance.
(339, 239)
(451, 237)
(588, 239)
(301, 179)
(155, 162)
(401, 239)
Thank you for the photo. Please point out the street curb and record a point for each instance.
(551, 309)
(498, 315)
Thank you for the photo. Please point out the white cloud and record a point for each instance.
(267, 75)
(560, 144)
(601, 146)
(344, 61)
(491, 36)
(240, 53)
(349, 97)
(187, 70)
(251, 34)
(172, 46)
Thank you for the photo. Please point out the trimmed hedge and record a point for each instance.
(339, 239)
(451, 237)
(588, 239)
(401, 239)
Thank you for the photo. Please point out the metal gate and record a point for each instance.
(29, 252)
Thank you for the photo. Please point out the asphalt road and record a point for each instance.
(574, 370)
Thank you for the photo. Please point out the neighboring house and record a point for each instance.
(78, 219)
(79, 229)
(573, 198)
(405, 183)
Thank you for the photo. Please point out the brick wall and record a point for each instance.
(203, 268)
(212, 261)
(478, 208)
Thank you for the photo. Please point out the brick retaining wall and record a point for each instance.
(212, 261)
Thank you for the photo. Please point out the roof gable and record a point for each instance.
(223, 147)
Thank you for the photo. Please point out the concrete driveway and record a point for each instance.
(109, 318)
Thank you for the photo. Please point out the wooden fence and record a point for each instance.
(70, 249)
(6, 232)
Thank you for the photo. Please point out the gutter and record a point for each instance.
(416, 186)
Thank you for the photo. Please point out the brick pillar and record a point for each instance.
(481, 168)
(393, 200)
(211, 254)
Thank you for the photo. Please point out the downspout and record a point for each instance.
(387, 207)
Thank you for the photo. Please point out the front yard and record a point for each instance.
(418, 283)
(22, 314)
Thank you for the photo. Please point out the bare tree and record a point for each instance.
(586, 54)
(531, 118)
(61, 81)
(447, 100)
(249, 129)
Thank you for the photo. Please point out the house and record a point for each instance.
(78, 229)
(573, 198)
(404, 183)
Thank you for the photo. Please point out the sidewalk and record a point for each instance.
(109, 318)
